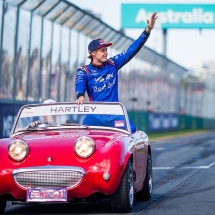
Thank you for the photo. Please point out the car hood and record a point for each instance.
(60, 137)
(57, 147)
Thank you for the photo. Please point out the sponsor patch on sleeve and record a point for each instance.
(110, 60)
(82, 68)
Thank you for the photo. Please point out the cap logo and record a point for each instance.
(101, 42)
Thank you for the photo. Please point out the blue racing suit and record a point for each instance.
(101, 82)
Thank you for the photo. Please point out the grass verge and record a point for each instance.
(169, 134)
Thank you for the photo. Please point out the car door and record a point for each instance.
(140, 155)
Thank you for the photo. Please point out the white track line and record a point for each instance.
(187, 167)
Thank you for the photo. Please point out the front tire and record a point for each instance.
(122, 200)
(146, 192)
(2, 205)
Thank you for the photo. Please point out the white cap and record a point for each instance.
(49, 101)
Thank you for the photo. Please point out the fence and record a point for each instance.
(148, 122)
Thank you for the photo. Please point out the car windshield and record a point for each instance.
(50, 116)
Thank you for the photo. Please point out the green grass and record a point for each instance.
(174, 133)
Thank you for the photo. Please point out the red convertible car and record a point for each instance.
(65, 152)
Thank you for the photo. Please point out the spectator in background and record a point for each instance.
(49, 119)
(6, 75)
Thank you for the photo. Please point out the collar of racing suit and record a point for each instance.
(95, 65)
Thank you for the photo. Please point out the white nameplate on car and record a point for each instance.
(60, 109)
(46, 195)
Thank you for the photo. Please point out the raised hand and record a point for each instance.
(151, 21)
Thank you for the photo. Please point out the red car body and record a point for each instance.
(52, 162)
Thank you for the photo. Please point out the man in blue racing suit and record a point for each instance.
(100, 77)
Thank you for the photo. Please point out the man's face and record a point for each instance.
(100, 55)
(50, 119)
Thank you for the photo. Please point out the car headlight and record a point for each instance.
(18, 150)
(84, 147)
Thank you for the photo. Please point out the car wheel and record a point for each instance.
(122, 200)
(146, 192)
(2, 206)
